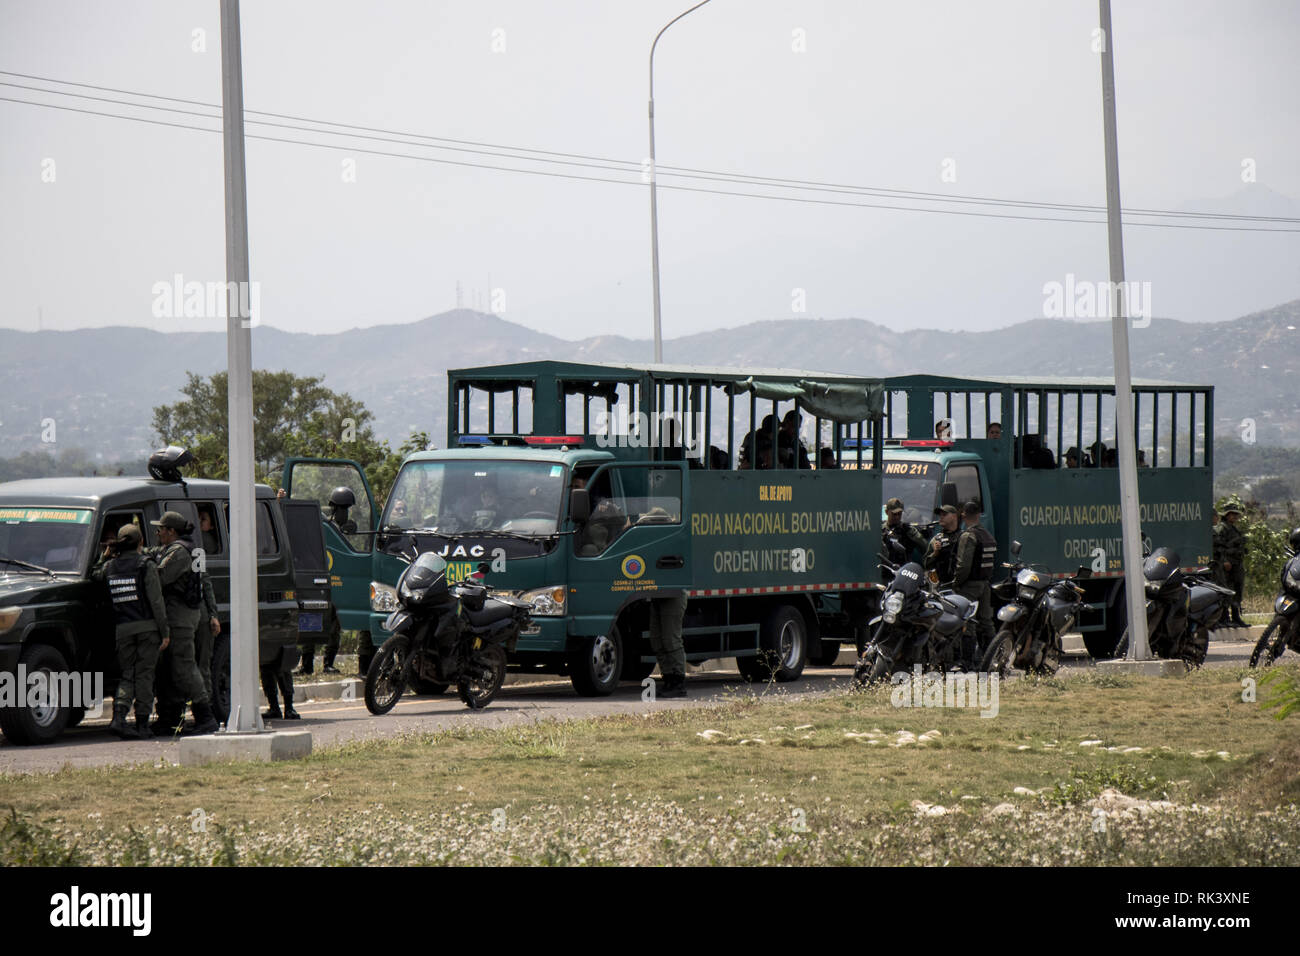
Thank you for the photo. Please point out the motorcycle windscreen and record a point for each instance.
(908, 579)
(1161, 563)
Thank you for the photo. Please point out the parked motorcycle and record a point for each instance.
(1284, 630)
(443, 635)
(917, 624)
(1038, 610)
(1182, 608)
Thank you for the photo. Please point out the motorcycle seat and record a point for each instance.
(491, 612)
(964, 608)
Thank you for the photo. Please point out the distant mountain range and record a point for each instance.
(99, 386)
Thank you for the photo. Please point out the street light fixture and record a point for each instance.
(654, 205)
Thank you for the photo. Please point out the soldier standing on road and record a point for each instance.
(941, 556)
(899, 537)
(666, 641)
(183, 595)
(1232, 546)
(141, 623)
(341, 499)
(971, 575)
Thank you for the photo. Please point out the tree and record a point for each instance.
(1274, 490)
(291, 416)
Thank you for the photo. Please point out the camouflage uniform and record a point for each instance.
(138, 639)
(1232, 546)
(972, 571)
(666, 641)
(901, 538)
(1216, 554)
(181, 668)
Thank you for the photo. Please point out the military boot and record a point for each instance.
(118, 726)
(673, 685)
(169, 719)
(142, 731)
(286, 691)
(272, 711)
(204, 721)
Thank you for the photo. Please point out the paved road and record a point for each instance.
(337, 721)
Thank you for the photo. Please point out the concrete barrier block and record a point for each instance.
(229, 747)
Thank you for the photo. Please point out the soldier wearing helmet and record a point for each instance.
(341, 499)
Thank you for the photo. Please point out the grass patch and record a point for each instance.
(831, 779)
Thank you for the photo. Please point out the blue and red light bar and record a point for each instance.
(925, 443)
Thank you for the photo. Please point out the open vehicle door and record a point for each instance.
(348, 556)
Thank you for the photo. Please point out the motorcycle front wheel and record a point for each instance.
(477, 691)
(385, 680)
(997, 659)
(1271, 644)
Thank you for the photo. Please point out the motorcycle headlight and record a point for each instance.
(1028, 595)
(383, 598)
(893, 603)
(545, 602)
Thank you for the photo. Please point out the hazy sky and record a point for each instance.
(98, 210)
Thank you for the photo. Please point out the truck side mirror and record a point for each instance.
(580, 505)
(948, 494)
(1015, 548)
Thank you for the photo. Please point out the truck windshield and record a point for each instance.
(916, 484)
(522, 497)
(56, 539)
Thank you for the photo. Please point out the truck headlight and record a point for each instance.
(383, 598)
(9, 617)
(545, 602)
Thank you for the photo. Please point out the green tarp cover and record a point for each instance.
(839, 403)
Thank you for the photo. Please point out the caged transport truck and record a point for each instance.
(1048, 480)
(589, 490)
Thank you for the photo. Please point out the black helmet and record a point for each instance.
(342, 497)
(1294, 540)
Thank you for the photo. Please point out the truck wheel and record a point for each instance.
(784, 644)
(596, 664)
(24, 725)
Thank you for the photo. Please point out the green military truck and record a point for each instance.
(776, 559)
(55, 620)
(1049, 479)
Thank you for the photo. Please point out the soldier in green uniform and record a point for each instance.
(340, 500)
(1216, 550)
(141, 621)
(972, 571)
(1232, 547)
(900, 538)
(183, 595)
(941, 556)
(666, 641)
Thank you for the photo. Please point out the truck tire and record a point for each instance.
(783, 647)
(24, 725)
(596, 664)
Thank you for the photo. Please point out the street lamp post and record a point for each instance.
(654, 203)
